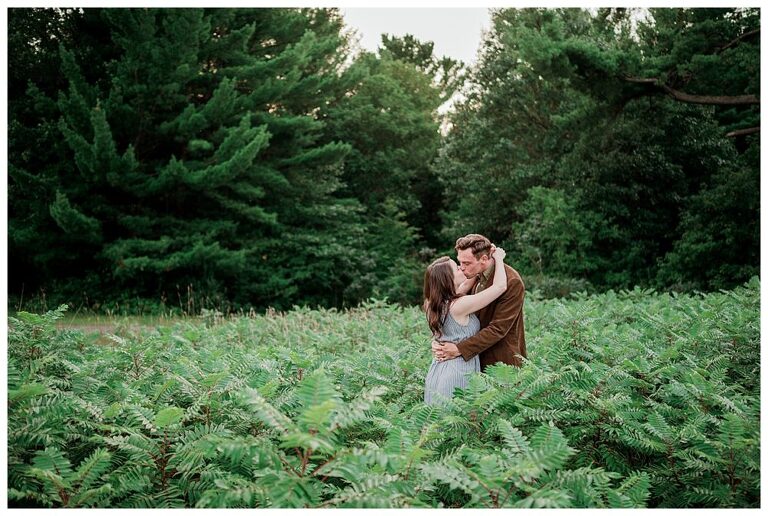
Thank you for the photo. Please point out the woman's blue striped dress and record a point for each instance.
(445, 376)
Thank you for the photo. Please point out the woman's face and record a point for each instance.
(458, 276)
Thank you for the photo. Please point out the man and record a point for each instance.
(502, 334)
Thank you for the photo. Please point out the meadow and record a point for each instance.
(627, 399)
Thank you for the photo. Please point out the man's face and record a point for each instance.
(470, 265)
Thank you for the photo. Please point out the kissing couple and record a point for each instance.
(474, 309)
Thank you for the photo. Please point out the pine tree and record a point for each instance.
(196, 161)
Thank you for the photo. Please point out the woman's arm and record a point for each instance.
(466, 286)
(466, 305)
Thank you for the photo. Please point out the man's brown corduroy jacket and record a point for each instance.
(502, 336)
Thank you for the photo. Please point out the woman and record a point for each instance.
(450, 314)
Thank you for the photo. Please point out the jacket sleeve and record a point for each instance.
(506, 312)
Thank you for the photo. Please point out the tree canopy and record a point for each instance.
(239, 158)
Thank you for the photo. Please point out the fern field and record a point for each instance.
(631, 399)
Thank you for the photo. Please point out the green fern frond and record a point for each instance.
(266, 413)
(732, 429)
(317, 417)
(586, 486)
(539, 385)
(514, 439)
(659, 427)
(729, 404)
(27, 497)
(141, 416)
(169, 498)
(53, 460)
(373, 501)
(617, 500)
(454, 477)
(489, 468)
(316, 442)
(130, 478)
(354, 412)
(549, 458)
(613, 459)
(374, 491)
(195, 446)
(289, 491)
(508, 375)
(370, 457)
(541, 415)
(90, 470)
(168, 417)
(636, 488)
(232, 491)
(316, 389)
(639, 441)
(353, 467)
(57, 487)
(137, 446)
(545, 498)
(26, 392)
(96, 497)
(421, 417)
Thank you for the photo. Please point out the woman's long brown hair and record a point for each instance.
(439, 291)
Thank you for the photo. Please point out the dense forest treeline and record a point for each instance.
(233, 158)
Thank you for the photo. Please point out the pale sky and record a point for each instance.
(455, 31)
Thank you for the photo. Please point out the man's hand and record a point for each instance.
(444, 350)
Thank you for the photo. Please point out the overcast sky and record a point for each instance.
(455, 31)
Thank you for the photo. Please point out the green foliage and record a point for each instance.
(721, 233)
(390, 270)
(181, 154)
(554, 235)
(237, 158)
(73, 221)
(391, 122)
(561, 153)
(628, 399)
(191, 150)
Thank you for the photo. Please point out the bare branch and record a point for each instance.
(718, 100)
(641, 80)
(743, 132)
(739, 39)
